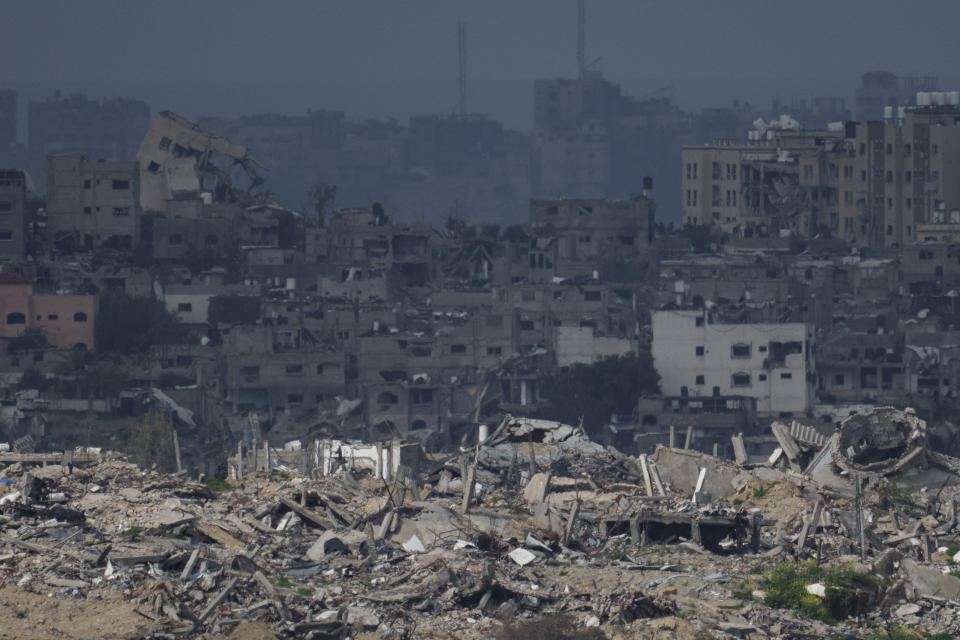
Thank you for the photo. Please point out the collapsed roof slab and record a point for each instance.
(885, 440)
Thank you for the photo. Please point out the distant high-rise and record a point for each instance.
(8, 118)
(879, 89)
(592, 141)
(110, 130)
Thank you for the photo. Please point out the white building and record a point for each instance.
(768, 362)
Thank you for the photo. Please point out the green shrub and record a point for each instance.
(744, 591)
(905, 633)
(786, 588)
(132, 533)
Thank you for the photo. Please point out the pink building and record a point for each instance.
(66, 320)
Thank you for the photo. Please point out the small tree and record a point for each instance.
(323, 196)
(28, 341)
(152, 442)
(128, 325)
(597, 391)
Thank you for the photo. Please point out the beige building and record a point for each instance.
(180, 160)
(782, 180)
(871, 183)
(91, 204)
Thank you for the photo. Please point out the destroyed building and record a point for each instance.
(178, 160)
(825, 537)
(870, 183)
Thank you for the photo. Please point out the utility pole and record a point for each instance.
(462, 60)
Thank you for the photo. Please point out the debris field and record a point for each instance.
(848, 536)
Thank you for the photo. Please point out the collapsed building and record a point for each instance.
(179, 161)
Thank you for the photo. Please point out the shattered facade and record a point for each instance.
(179, 160)
(870, 183)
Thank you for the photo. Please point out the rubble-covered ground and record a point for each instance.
(581, 540)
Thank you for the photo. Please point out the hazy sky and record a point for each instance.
(398, 57)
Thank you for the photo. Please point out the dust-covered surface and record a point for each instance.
(108, 550)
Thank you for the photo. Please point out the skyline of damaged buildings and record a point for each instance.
(816, 274)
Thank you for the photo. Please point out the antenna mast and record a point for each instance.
(581, 37)
(462, 55)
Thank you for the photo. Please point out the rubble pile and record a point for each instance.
(534, 521)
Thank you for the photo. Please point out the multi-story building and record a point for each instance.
(13, 215)
(880, 90)
(8, 119)
(109, 130)
(870, 183)
(575, 238)
(92, 204)
(593, 141)
(65, 320)
(783, 179)
(904, 169)
(699, 357)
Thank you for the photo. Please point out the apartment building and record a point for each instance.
(783, 180)
(870, 183)
(574, 238)
(13, 215)
(65, 320)
(91, 204)
(699, 357)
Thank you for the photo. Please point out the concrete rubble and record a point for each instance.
(534, 521)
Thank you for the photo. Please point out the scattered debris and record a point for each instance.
(582, 531)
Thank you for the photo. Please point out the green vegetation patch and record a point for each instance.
(905, 633)
(218, 484)
(848, 591)
(284, 583)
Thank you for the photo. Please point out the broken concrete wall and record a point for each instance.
(680, 469)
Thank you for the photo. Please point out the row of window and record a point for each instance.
(253, 371)
(176, 240)
(736, 351)
(116, 185)
(19, 318)
(742, 379)
(934, 148)
(118, 212)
